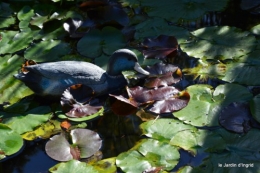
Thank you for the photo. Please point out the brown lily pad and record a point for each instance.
(161, 47)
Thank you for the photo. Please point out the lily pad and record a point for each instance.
(255, 108)
(12, 41)
(96, 42)
(11, 89)
(164, 129)
(156, 26)
(104, 12)
(122, 106)
(72, 166)
(162, 75)
(205, 105)
(27, 121)
(241, 153)
(161, 47)
(242, 73)
(84, 143)
(6, 18)
(44, 131)
(219, 43)
(53, 50)
(148, 153)
(236, 117)
(11, 141)
(177, 10)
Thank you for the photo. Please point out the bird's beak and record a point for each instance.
(139, 69)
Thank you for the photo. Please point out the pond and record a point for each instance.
(196, 111)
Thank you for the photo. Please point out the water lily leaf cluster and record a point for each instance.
(157, 92)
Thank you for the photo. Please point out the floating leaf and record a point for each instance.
(72, 166)
(164, 129)
(84, 144)
(242, 73)
(205, 105)
(236, 117)
(177, 10)
(162, 75)
(96, 42)
(11, 142)
(103, 12)
(143, 95)
(217, 43)
(152, 153)
(12, 41)
(53, 50)
(6, 18)
(157, 26)
(255, 108)
(72, 107)
(122, 105)
(29, 120)
(44, 131)
(161, 47)
(171, 104)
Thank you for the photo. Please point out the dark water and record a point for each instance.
(33, 158)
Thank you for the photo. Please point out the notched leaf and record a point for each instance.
(73, 108)
(161, 47)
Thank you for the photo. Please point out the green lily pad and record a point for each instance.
(205, 105)
(11, 89)
(242, 73)
(241, 154)
(176, 10)
(6, 18)
(255, 107)
(12, 41)
(105, 165)
(164, 129)
(96, 42)
(219, 43)
(194, 142)
(48, 50)
(29, 120)
(11, 142)
(26, 13)
(156, 26)
(72, 166)
(149, 153)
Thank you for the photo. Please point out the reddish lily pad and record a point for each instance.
(236, 117)
(144, 95)
(85, 143)
(171, 104)
(161, 47)
(162, 75)
(74, 108)
(123, 106)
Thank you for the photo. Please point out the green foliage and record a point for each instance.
(11, 142)
(176, 10)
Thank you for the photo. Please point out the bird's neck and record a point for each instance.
(116, 82)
